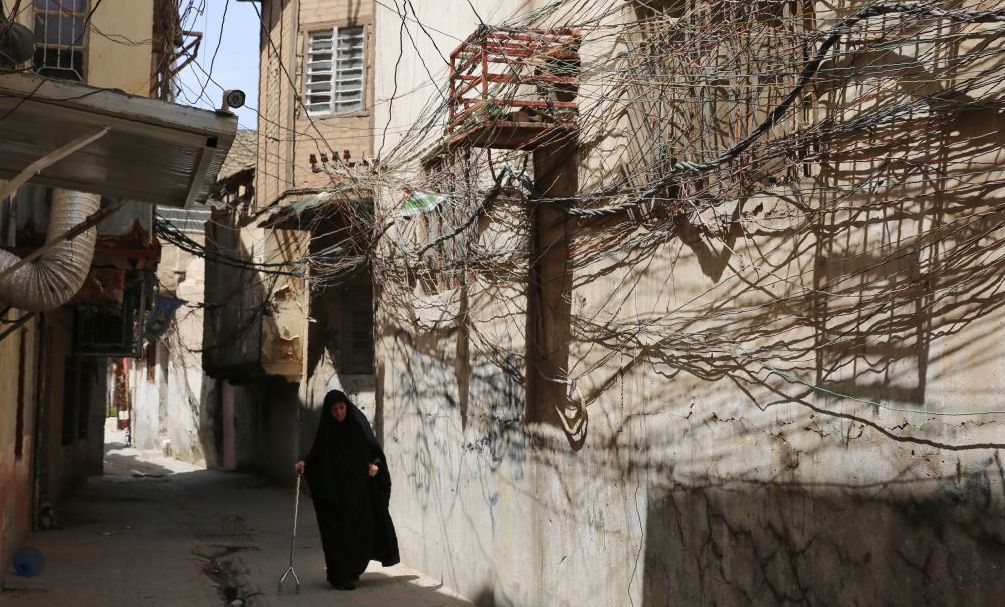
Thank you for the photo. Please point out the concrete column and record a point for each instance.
(549, 303)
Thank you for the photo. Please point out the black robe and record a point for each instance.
(351, 507)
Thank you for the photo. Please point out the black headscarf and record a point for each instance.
(352, 507)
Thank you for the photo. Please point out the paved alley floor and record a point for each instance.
(154, 531)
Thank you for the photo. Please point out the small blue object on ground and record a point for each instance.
(28, 562)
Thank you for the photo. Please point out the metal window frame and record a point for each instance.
(332, 108)
(81, 46)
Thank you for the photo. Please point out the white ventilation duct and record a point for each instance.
(57, 275)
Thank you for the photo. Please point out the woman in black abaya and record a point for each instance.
(350, 486)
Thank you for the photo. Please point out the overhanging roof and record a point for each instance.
(154, 151)
(293, 214)
(296, 209)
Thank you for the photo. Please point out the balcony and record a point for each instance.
(513, 89)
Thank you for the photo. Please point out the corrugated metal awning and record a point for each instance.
(154, 151)
(294, 213)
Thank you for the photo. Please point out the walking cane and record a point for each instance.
(293, 540)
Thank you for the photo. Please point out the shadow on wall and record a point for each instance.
(191, 400)
(931, 543)
(830, 277)
(791, 352)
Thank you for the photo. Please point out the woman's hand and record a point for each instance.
(373, 470)
(299, 467)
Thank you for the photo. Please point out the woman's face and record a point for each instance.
(338, 411)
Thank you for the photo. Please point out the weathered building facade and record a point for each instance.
(714, 323)
(732, 339)
(178, 408)
(278, 337)
(51, 419)
(171, 408)
(78, 243)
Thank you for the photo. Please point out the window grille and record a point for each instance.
(60, 28)
(334, 71)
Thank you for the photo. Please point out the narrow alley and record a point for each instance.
(634, 303)
(155, 531)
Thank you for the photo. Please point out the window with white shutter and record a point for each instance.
(334, 71)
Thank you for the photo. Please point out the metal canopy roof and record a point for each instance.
(154, 151)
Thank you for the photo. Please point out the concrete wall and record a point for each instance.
(190, 411)
(176, 404)
(266, 419)
(121, 61)
(145, 381)
(232, 330)
(121, 57)
(697, 461)
(412, 78)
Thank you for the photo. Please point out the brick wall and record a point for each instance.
(287, 135)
